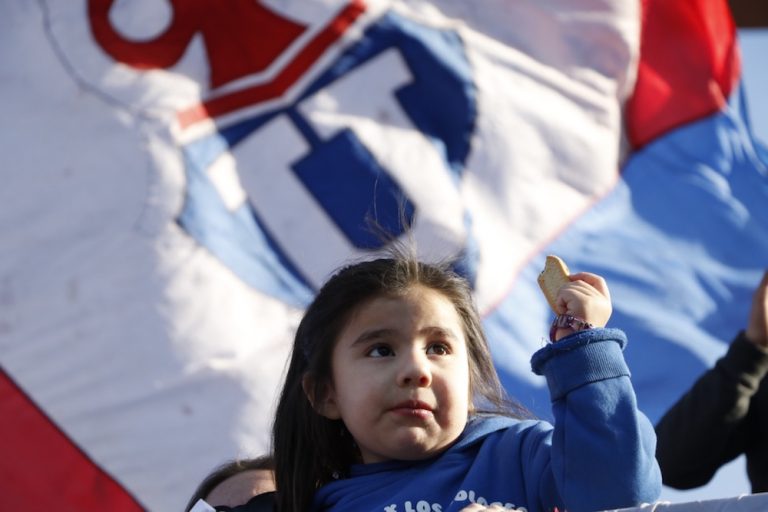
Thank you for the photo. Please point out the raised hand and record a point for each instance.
(757, 328)
(586, 297)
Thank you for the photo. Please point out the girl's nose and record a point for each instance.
(415, 371)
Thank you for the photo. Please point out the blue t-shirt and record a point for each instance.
(600, 453)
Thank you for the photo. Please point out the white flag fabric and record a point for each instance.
(180, 177)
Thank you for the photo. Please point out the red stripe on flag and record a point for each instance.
(275, 88)
(689, 64)
(42, 469)
(241, 37)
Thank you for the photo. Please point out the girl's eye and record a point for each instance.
(380, 351)
(438, 349)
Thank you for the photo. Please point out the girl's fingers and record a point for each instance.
(577, 292)
(594, 280)
(586, 297)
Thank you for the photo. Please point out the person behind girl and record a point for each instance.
(391, 403)
(240, 485)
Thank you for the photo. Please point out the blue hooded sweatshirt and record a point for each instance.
(600, 453)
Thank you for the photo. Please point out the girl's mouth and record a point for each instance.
(414, 409)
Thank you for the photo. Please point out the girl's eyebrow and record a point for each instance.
(384, 333)
(441, 331)
(373, 335)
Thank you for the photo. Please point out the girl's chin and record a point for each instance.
(418, 446)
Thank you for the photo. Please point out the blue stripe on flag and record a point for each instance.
(682, 242)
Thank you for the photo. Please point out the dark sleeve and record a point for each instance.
(705, 428)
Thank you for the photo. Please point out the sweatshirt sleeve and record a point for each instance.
(603, 447)
(704, 429)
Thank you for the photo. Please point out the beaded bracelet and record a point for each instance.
(564, 321)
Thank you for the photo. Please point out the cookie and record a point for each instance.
(552, 278)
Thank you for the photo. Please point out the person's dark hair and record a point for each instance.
(226, 470)
(310, 449)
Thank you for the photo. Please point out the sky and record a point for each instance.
(754, 47)
(731, 480)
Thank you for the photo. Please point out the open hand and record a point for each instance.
(757, 328)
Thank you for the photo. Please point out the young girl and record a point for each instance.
(391, 403)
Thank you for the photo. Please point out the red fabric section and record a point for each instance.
(42, 469)
(276, 87)
(241, 37)
(689, 64)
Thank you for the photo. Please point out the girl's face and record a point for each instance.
(401, 376)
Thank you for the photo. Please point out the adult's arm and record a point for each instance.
(704, 429)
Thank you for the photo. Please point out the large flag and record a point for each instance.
(179, 178)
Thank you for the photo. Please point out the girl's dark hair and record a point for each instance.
(310, 449)
(226, 470)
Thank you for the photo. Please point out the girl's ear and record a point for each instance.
(323, 400)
